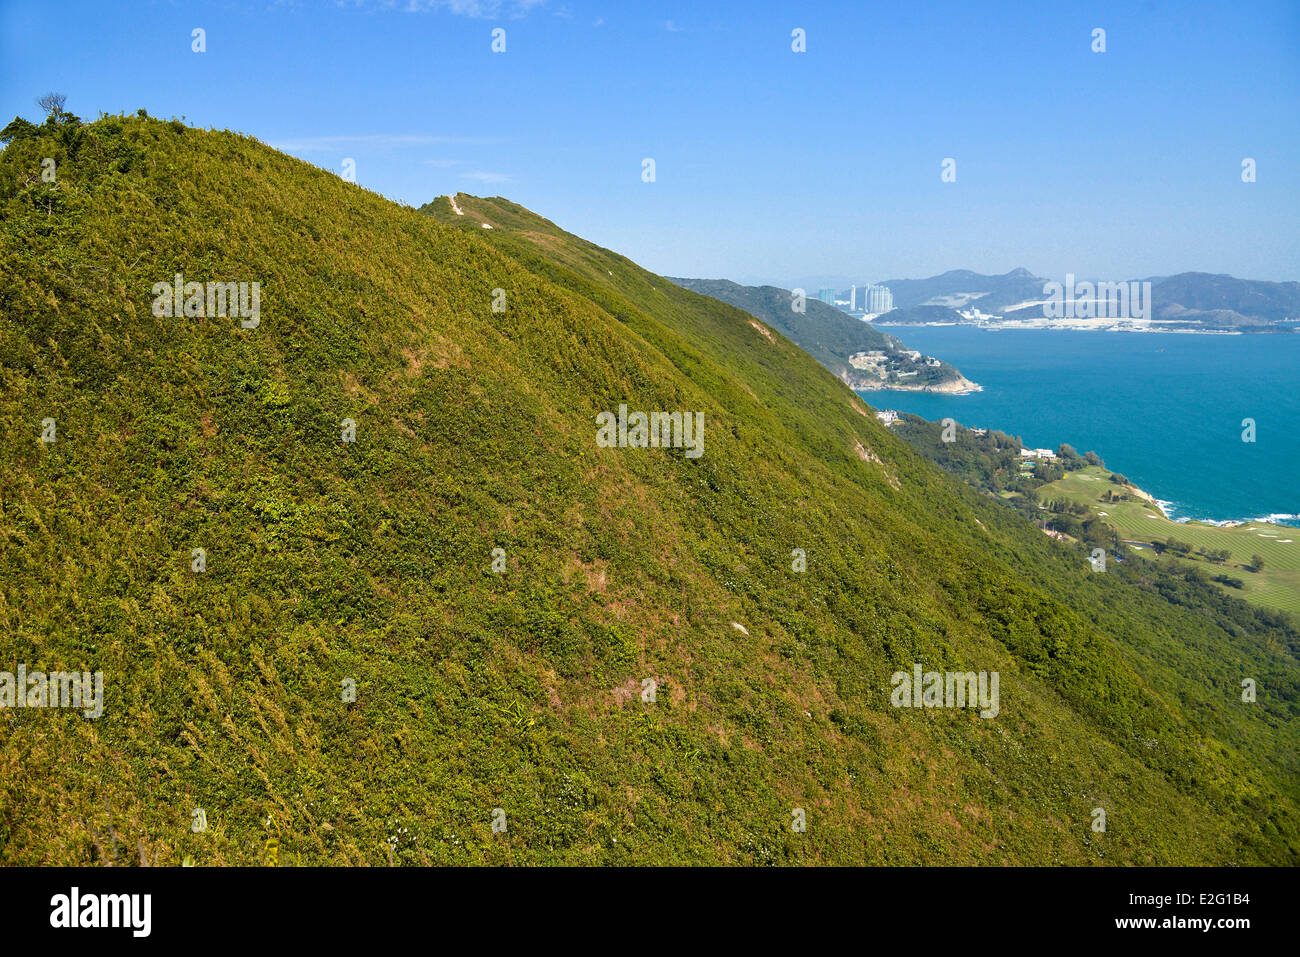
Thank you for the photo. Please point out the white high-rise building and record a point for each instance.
(877, 299)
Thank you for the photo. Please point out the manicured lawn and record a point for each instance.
(1277, 586)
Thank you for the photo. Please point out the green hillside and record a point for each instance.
(833, 338)
(831, 333)
(329, 562)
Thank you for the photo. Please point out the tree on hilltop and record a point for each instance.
(52, 104)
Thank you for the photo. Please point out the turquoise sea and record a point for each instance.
(1166, 410)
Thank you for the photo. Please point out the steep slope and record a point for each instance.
(834, 339)
(1175, 629)
(370, 563)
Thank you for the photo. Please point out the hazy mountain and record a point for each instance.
(1187, 300)
(961, 287)
(1225, 299)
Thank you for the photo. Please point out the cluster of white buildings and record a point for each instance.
(873, 361)
(887, 416)
(876, 300)
(1045, 454)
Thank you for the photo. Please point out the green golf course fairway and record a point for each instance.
(1277, 585)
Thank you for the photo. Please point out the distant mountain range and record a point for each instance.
(1190, 301)
(859, 354)
(961, 287)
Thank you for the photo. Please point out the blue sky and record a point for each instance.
(771, 165)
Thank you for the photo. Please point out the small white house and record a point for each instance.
(887, 416)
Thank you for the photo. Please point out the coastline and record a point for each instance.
(1275, 520)
(959, 386)
(1019, 377)
(1167, 509)
(1255, 560)
(1063, 325)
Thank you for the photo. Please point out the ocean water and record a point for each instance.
(1166, 410)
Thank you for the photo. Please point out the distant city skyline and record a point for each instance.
(1001, 137)
(877, 299)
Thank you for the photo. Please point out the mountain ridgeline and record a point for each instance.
(364, 588)
(844, 345)
(1187, 302)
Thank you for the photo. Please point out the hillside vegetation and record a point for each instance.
(330, 562)
(834, 338)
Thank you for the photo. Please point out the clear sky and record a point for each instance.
(771, 165)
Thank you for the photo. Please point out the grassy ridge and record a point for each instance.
(371, 562)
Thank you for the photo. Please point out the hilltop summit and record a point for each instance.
(360, 576)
